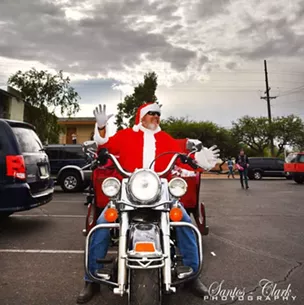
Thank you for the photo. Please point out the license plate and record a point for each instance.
(43, 171)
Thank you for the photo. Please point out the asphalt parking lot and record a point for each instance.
(254, 235)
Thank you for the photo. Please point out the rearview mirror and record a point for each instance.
(90, 148)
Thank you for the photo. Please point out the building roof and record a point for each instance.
(77, 120)
(4, 92)
(11, 92)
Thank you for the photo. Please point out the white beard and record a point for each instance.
(152, 126)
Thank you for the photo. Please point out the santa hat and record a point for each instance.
(142, 111)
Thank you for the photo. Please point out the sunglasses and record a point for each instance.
(153, 113)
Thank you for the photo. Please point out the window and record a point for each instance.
(74, 153)
(301, 159)
(54, 152)
(281, 162)
(28, 140)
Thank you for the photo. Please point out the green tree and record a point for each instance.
(288, 131)
(207, 132)
(47, 92)
(252, 132)
(144, 92)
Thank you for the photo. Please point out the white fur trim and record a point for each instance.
(149, 148)
(97, 138)
(151, 107)
(136, 127)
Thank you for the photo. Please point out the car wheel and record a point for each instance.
(299, 180)
(4, 215)
(257, 175)
(70, 181)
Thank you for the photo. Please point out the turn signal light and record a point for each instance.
(176, 214)
(111, 215)
(144, 247)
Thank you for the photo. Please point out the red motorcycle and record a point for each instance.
(97, 200)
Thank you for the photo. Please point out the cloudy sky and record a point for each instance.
(208, 54)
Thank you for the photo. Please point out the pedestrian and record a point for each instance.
(242, 164)
(230, 168)
(74, 138)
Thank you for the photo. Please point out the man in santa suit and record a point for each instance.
(137, 147)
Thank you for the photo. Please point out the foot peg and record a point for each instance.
(104, 260)
(104, 274)
(183, 272)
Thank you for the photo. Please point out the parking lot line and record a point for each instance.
(49, 215)
(46, 251)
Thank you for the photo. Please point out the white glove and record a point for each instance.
(207, 157)
(101, 116)
(192, 143)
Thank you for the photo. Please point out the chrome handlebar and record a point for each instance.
(128, 174)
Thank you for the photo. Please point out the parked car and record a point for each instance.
(69, 166)
(25, 181)
(294, 167)
(265, 167)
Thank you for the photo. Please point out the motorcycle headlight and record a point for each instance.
(178, 187)
(144, 185)
(111, 187)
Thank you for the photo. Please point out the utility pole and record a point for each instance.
(268, 98)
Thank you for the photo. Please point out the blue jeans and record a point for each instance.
(230, 171)
(243, 176)
(186, 242)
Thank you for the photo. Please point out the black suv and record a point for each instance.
(260, 167)
(69, 167)
(25, 181)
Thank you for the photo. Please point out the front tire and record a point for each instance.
(70, 181)
(145, 287)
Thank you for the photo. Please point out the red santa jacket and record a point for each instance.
(136, 149)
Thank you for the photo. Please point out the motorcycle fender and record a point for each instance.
(144, 233)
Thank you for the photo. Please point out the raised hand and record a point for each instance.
(101, 116)
(207, 157)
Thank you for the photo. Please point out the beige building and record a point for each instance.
(11, 104)
(80, 128)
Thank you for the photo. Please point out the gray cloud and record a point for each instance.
(104, 40)
(190, 35)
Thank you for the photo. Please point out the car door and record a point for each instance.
(55, 156)
(279, 168)
(74, 155)
(269, 167)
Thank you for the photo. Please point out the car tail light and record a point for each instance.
(15, 167)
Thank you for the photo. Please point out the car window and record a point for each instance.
(281, 162)
(301, 159)
(53, 153)
(74, 153)
(291, 158)
(27, 139)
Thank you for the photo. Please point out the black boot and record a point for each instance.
(198, 288)
(87, 293)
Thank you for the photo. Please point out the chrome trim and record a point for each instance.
(122, 268)
(44, 193)
(128, 174)
(165, 228)
(143, 206)
(144, 263)
(200, 248)
(86, 253)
